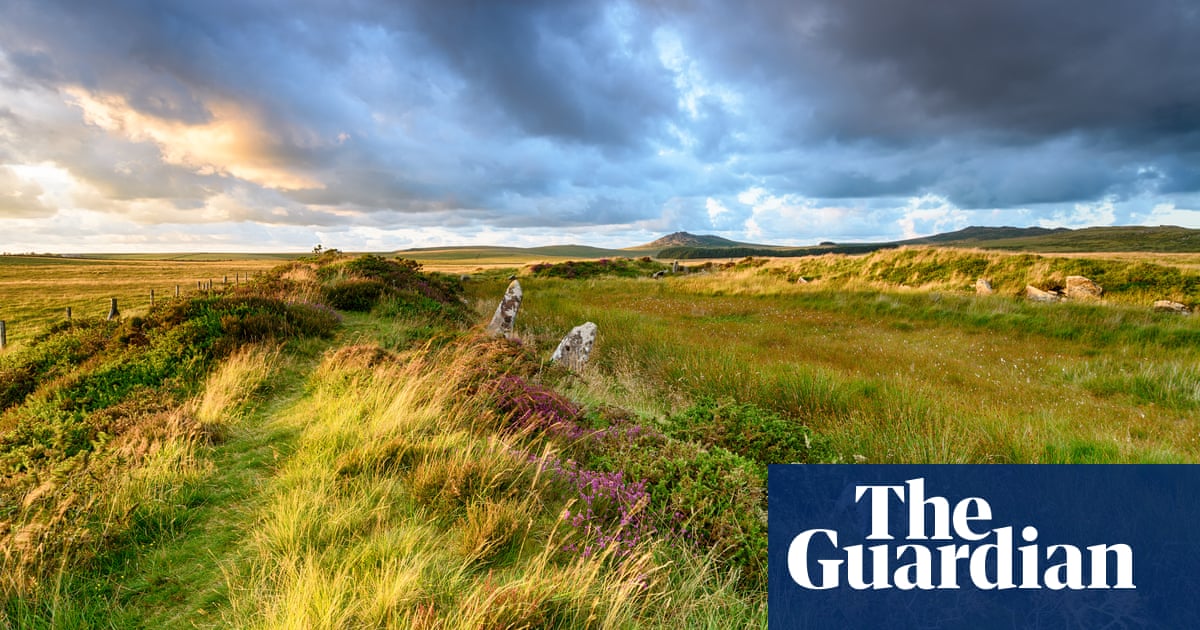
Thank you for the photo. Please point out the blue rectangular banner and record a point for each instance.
(984, 546)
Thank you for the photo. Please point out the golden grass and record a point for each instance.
(401, 508)
(897, 375)
(35, 292)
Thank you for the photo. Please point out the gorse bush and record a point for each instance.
(397, 287)
(630, 483)
(619, 267)
(757, 434)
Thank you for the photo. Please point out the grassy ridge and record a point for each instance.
(935, 269)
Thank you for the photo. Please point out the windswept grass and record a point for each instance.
(403, 507)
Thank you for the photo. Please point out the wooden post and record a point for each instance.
(113, 313)
(68, 313)
(3, 334)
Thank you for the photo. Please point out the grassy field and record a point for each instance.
(252, 457)
(36, 291)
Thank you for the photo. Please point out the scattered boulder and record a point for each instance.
(576, 347)
(657, 275)
(506, 312)
(464, 278)
(1034, 294)
(1080, 288)
(1169, 306)
(983, 287)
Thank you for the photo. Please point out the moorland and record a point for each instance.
(335, 441)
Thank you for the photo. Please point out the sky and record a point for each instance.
(375, 125)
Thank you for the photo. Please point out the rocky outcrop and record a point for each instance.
(1080, 288)
(1169, 306)
(983, 287)
(1034, 294)
(506, 312)
(575, 349)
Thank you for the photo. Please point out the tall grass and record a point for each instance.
(141, 491)
(898, 375)
(403, 507)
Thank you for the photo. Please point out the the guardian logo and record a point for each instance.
(946, 546)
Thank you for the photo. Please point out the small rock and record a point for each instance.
(506, 312)
(1170, 306)
(983, 287)
(573, 351)
(464, 278)
(1034, 294)
(1080, 288)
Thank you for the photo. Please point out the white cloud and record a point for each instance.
(1083, 215)
(930, 214)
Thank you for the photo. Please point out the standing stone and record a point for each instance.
(576, 347)
(1034, 294)
(675, 267)
(1169, 306)
(1080, 288)
(113, 313)
(506, 312)
(983, 287)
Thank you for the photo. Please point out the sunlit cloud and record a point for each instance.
(231, 143)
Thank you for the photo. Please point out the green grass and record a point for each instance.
(890, 376)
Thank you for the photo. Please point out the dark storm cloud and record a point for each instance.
(978, 78)
(558, 69)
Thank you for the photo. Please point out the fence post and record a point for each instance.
(68, 313)
(113, 313)
(3, 334)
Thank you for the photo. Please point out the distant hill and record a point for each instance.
(489, 254)
(684, 239)
(1130, 238)
(1162, 239)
